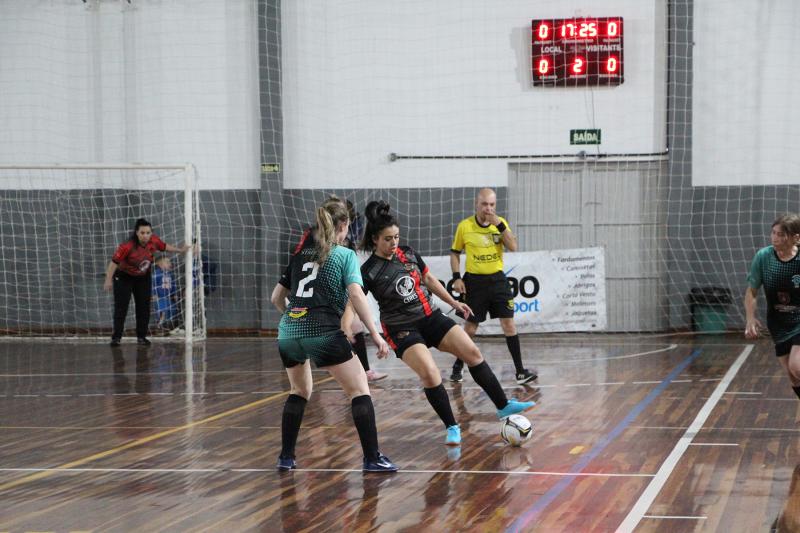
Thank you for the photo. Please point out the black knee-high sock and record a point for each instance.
(516, 353)
(483, 376)
(293, 411)
(364, 418)
(796, 391)
(360, 347)
(437, 397)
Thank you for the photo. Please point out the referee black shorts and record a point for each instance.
(488, 293)
(428, 331)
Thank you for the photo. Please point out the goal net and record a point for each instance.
(61, 225)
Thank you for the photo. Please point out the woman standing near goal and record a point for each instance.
(320, 275)
(777, 268)
(129, 272)
(400, 281)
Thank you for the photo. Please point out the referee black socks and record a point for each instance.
(516, 353)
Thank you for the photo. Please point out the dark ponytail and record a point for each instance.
(378, 219)
(139, 223)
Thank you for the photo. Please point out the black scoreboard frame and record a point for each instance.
(577, 52)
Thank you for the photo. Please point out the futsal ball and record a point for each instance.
(516, 429)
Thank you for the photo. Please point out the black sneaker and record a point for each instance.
(380, 464)
(143, 341)
(114, 342)
(456, 376)
(526, 376)
(286, 463)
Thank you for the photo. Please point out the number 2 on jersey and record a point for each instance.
(302, 292)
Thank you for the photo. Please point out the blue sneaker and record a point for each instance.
(513, 407)
(286, 463)
(453, 437)
(381, 464)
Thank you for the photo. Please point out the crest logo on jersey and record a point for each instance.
(408, 266)
(144, 265)
(784, 298)
(796, 281)
(404, 286)
(497, 238)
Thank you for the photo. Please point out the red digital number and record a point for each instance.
(578, 65)
(612, 29)
(612, 65)
(588, 29)
(543, 32)
(543, 67)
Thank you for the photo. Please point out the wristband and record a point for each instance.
(501, 227)
(456, 275)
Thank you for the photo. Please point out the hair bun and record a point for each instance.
(376, 210)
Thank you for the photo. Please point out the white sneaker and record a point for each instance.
(178, 331)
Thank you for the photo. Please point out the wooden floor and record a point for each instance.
(632, 433)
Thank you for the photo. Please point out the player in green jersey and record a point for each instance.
(777, 269)
(319, 280)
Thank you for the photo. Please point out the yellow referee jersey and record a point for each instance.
(483, 244)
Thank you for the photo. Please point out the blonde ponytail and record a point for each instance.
(330, 215)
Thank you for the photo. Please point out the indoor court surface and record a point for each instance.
(632, 433)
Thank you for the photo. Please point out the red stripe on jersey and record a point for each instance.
(303, 239)
(387, 337)
(426, 305)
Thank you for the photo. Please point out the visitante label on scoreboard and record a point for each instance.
(583, 52)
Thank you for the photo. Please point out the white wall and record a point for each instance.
(365, 78)
(165, 81)
(745, 109)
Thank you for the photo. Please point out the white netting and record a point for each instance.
(421, 104)
(61, 225)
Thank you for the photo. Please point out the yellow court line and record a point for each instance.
(144, 440)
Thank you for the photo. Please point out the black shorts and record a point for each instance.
(428, 331)
(488, 292)
(783, 348)
(325, 350)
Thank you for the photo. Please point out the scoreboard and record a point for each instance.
(577, 52)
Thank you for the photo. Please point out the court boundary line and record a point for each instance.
(652, 490)
(56, 470)
(144, 440)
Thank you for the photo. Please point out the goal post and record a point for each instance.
(61, 225)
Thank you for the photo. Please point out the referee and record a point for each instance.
(485, 286)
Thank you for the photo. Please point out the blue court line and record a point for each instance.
(534, 510)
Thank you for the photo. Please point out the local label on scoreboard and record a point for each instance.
(581, 52)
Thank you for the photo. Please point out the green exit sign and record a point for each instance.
(584, 136)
